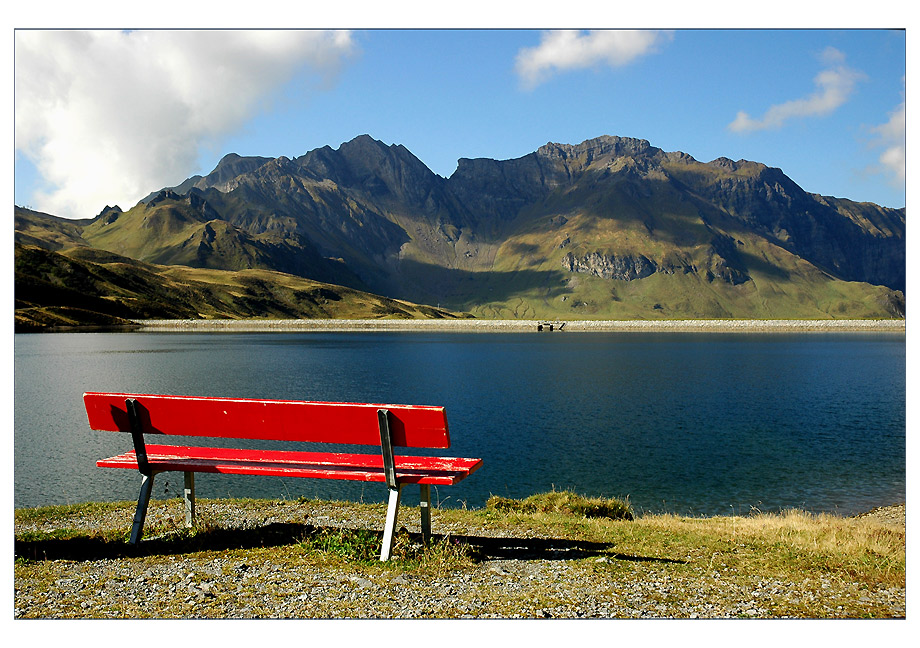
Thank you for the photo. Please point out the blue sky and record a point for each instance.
(117, 115)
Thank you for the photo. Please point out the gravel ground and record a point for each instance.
(519, 578)
(895, 515)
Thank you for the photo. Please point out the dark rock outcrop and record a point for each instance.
(611, 266)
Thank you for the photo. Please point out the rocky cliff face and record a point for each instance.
(631, 267)
(611, 266)
(861, 244)
(493, 189)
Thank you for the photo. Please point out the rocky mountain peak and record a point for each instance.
(107, 210)
(387, 172)
(364, 154)
(193, 200)
(163, 195)
(230, 166)
(605, 146)
(725, 163)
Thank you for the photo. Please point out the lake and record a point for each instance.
(689, 423)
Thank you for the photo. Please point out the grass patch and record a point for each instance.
(54, 514)
(789, 545)
(350, 544)
(565, 503)
(363, 546)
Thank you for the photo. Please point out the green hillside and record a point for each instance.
(84, 286)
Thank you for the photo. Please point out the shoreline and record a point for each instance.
(895, 513)
(482, 325)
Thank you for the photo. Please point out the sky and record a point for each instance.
(105, 116)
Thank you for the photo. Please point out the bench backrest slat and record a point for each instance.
(412, 426)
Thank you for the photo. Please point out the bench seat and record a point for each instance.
(283, 463)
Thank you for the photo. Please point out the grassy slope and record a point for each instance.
(87, 286)
(37, 228)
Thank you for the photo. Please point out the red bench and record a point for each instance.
(385, 426)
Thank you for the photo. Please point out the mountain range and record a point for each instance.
(612, 228)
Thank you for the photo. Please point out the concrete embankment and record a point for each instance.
(473, 325)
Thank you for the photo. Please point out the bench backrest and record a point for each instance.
(411, 426)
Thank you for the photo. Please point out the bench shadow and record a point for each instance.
(497, 548)
(90, 548)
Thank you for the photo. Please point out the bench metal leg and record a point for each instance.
(389, 529)
(188, 497)
(425, 506)
(137, 529)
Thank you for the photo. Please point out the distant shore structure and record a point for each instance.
(485, 325)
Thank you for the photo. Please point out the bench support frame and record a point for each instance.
(425, 506)
(140, 514)
(140, 449)
(395, 490)
(389, 527)
(188, 496)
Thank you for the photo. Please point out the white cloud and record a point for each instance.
(107, 116)
(892, 137)
(834, 85)
(562, 50)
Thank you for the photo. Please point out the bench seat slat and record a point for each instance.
(284, 463)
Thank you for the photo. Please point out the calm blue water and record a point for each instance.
(697, 424)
